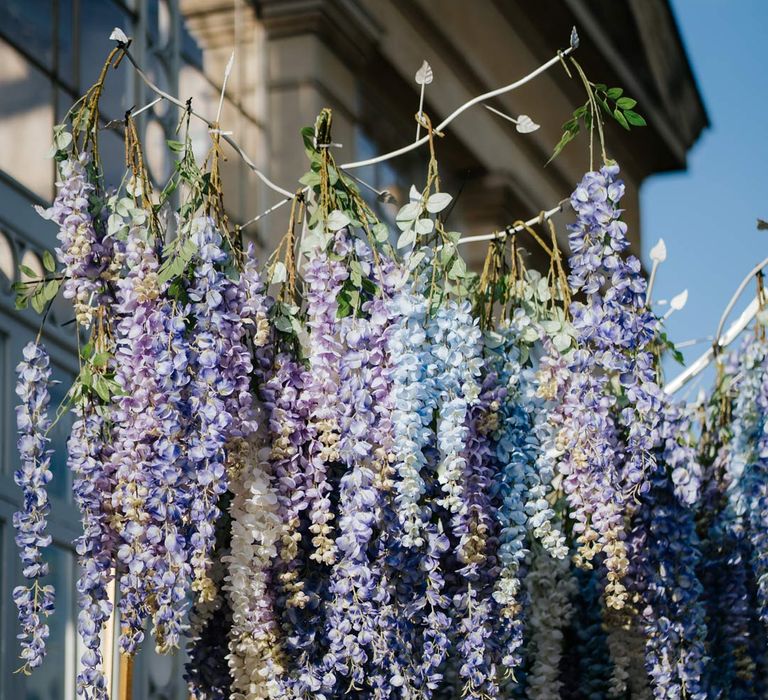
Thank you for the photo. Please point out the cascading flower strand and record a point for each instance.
(35, 601)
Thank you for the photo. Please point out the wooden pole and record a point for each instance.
(108, 641)
(125, 677)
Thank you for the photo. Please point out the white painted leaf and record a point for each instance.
(62, 140)
(408, 213)
(561, 342)
(415, 259)
(280, 273)
(337, 220)
(230, 63)
(114, 224)
(424, 75)
(574, 38)
(679, 301)
(407, 238)
(424, 226)
(438, 201)
(413, 194)
(659, 252)
(47, 214)
(525, 125)
(118, 35)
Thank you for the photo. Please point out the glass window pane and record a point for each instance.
(112, 154)
(97, 20)
(60, 484)
(53, 680)
(66, 36)
(28, 24)
(26, 122)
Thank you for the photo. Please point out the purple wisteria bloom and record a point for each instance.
(88, 458)
(220, 400)
(83, 252)
(324, 278)
(664, 558)
(34, 601)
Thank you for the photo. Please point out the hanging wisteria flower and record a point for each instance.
(415, 401)
(35, 601)
(220, 398)
(734, 632)
(89, 460)
(616, 325)
(254, 647)
(288, 432)
(664, 556)
(83, 252)
(602, 473)
(457, 348)
(148, 497)
(324, 278)
(550, 587)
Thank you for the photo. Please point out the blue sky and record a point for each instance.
(707, 214)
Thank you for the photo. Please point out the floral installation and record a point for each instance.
(353, 467)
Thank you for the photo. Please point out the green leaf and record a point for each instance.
(86, 376)
(618, 115)
(48, 262)
(50, 290)
(355, 273)
(614, 93)
(458, 268)
(100, 359)
(27, 271)
(634, 118)
(38, 303)
(283, 323)
(310, 179)
(176, 146)
(580, 111)
(626, 103)
(566, 138)
(101, 387)
(380, 232)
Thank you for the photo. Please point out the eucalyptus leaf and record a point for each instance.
(438, 201)
(407, 237)
(283, 323)
(424, 226)
(337, 220)
(279, 273)
(408, 213)
(561, 342)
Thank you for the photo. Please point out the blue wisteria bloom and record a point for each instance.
(35, 600)
(664, 558)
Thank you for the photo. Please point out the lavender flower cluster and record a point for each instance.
(35, 600)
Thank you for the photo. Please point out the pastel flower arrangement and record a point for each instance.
(345, 474)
